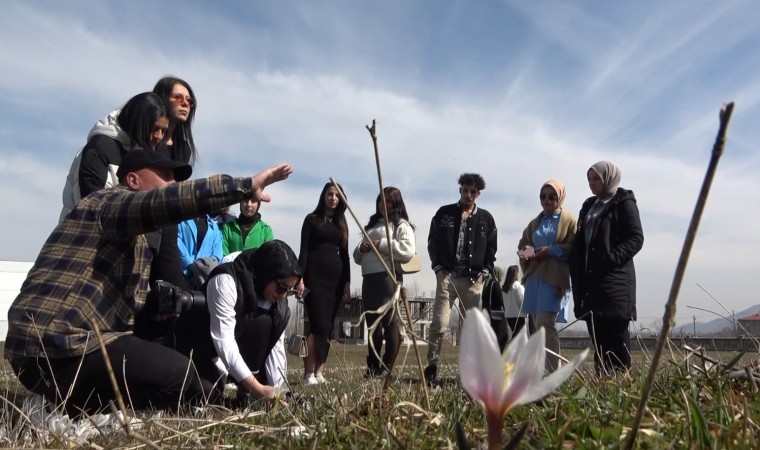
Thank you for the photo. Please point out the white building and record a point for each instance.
(12, 275)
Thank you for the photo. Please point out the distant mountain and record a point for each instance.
(714, 326)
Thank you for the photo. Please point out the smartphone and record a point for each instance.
(526, 253)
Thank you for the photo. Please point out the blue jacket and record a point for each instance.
(187, 238)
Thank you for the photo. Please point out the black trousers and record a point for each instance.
(612, 343)
(515, 324)
(149, 375)
(501, 328)
(388, 330)
(378, 290)
(255, 342)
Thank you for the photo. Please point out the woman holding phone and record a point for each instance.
(544, 250)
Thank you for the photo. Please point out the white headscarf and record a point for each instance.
(610, 175)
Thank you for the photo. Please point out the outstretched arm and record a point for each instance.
(133, 213)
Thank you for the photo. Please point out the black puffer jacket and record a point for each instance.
(604, 281)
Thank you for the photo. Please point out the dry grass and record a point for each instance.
(688, 409)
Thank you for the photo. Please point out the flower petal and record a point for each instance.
(480, 366)
(529, 368)
(553, 381)
(515, 345)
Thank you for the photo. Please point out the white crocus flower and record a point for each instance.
(59, 424)
(501, 382)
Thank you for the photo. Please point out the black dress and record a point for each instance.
(326, 270)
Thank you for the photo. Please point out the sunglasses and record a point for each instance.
(550, 197)
(284, 289)
(179, 98)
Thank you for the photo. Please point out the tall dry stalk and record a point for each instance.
(373, 134)
(124, 418)
(670, 306)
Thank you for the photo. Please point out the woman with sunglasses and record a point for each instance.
(377, 286)
(181, 104)
(142, 123)
(601, 266)
(543, 250)
(327, 276)
(245, 315)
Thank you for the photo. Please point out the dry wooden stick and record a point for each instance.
(124, 418)
(390, 274)
(670, 306)
(382, 310)
(373, 134)
(751, 378)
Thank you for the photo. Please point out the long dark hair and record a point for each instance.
(396, 208)
(138, 116)
(512, 275)
(339, 216)
(183, 145)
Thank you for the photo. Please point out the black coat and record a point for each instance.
(604, 280)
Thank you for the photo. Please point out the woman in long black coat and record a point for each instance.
(601, 266)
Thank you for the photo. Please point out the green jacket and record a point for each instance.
(232, 236)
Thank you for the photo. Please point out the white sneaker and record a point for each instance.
(310, 380)
(321, 379)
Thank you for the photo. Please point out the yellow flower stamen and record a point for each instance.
(508, 368)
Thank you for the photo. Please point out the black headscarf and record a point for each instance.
(255, 268)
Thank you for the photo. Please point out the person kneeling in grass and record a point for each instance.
(93, 271)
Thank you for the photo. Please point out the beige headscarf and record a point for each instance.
(610, 175)
(559, 188)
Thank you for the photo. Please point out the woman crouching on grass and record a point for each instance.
(247, 311)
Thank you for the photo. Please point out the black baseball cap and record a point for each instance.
(138, 159)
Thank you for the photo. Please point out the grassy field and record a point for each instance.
(687, 409)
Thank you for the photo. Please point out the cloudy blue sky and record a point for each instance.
(519, 91)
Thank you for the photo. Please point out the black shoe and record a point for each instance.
(431, 374)
(373, 367)
(381, 374)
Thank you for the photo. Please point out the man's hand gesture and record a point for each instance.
(269, 176)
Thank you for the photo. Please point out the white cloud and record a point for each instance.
(308, 102)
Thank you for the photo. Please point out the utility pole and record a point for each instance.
(695, 324)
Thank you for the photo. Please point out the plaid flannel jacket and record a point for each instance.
(94, 267)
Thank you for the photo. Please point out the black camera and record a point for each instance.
(166, 298)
